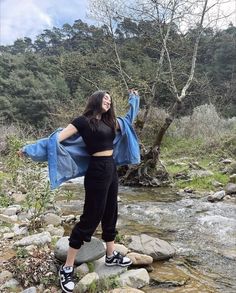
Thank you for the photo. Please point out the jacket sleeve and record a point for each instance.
(37, 151)
(134, 108)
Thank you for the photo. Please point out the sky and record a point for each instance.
(28, 18)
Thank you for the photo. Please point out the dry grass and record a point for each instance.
(205, 123)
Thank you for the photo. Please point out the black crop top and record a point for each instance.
(98, 140)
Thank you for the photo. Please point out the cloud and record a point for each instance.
(28, 18)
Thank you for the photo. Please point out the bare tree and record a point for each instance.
(106, 12)
(183, 14)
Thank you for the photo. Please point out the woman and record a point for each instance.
(97, 126)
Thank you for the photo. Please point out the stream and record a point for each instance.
(203, 233)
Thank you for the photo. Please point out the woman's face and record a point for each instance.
(106, 103)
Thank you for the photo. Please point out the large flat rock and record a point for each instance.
(158, 249)
(90, 251)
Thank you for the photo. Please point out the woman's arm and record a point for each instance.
(130, 91)
(67, 132)
(64, 134)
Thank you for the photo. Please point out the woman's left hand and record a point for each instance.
(133, 91)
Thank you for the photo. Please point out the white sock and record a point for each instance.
(68, 269)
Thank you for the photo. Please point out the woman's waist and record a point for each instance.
(105, 153)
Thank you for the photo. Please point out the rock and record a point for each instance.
(31, 249)
(22, 189)
(140, 259)
(216, 183)
(135, 278)
(69, 218)
(20, 230)
(230, 188)
(52, 219)
(188, 190)
(226, 161)
(51, 289)
(8, 219)
(8, 235)
(18, 197)
(82, 270)
(85, 282)
(4, 230)
(149, 268)
(36, 239)
(228, 197)
(200, 173)
(12, 283)
(104, 271)
(232, 178)
(156, 182)
(121, 249)
(30, 290)
(231, 169)
(88, 252)
(24, 216)
(230, 254)
(181, 176)
(59, 231)
(217, 196)
(158, 249)
(5, 276)
(12, 210)
(169, 274)
(126, 290)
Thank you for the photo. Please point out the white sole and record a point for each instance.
(118, 265)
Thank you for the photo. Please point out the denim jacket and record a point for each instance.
(69, 159)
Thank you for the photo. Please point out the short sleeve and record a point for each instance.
(78, 123)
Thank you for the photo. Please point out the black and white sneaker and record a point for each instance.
(66, 279)
(117, 260)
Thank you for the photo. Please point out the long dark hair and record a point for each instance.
(94, 108)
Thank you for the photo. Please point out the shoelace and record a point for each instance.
(119, 257)
(68, 276)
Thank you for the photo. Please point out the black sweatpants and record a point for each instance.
(101, 188)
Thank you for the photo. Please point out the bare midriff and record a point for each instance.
(103, 153)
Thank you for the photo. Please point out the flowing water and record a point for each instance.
(203, 233)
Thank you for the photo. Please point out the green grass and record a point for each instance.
(119, 238)
(204, 183)
(178, 154)
(5, 200)
(222, 178)
(173, 169)
(90, 266)
(173, 148)
(224, 146)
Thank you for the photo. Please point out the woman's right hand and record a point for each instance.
(133, 91)
(20, 153)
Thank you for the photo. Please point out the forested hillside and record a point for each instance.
(64, 65)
